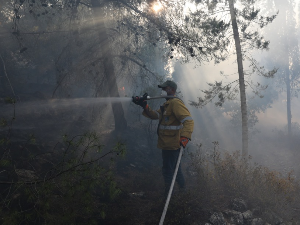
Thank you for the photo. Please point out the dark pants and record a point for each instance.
(169, 165)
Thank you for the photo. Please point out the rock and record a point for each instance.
(136, 194)
(192, 173)
(237, 219)
(235, 216)
(257, 212)
(257, 221)
(272, 218)
(248, 216)
(217, 218)
(26, 175)
(231, 212)
(239, 205)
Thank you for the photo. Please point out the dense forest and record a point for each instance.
(75, 149)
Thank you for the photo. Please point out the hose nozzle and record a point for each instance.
(137, 99)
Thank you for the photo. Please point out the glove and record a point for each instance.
(144, 104)
(140, 100)
(184, 141)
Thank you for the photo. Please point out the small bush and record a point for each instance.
(73, 188)
(223, 177)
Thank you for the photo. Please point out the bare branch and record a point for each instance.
(4, 68)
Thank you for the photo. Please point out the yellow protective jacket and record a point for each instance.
(175, 122)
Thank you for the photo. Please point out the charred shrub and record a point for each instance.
(74, 187)
(223, 177)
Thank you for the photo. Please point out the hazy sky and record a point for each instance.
(196, 79)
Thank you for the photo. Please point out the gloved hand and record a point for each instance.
(144, 104)
(141, 101)
(184, 141)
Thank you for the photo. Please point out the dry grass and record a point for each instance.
(223, 177)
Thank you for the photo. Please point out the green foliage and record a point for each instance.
(4, 162)
(217, 89)
(249, 22)
(3, 122)
(9, 100)
(120, 149)
(215, 27)
(75, 189)
(3, 141)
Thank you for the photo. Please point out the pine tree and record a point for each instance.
(244, 21)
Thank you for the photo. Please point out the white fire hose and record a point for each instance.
(161, 222)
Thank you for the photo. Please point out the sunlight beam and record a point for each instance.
(157, 6)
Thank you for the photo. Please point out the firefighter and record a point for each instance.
(174, 130)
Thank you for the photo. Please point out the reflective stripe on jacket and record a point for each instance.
(176, 121)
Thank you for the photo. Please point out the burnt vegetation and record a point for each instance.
(108, 179)
(99, 164)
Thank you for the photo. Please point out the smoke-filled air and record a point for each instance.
(141, 112)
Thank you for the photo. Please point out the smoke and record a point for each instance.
(268, 144)
(267, 139)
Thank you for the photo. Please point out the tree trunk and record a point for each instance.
(286, 63)
(3, 90)
(4, 81)
(287, 76)
(241, 80)
(109, 72)
(288, 103)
